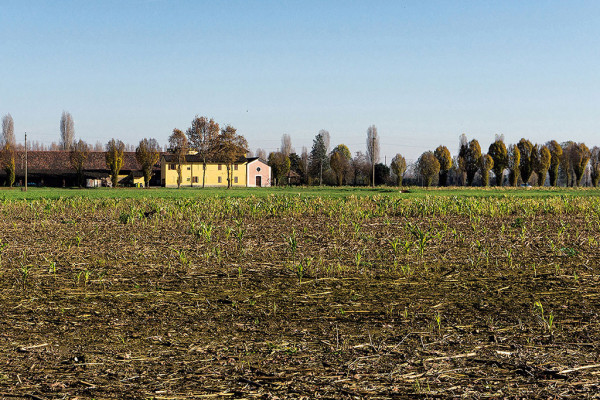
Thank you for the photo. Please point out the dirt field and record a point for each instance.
(286, 297)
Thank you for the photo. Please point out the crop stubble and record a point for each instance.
(287, 297)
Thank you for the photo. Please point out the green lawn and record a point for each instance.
(311, 191)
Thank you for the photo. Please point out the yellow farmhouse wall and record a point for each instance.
(192, 174)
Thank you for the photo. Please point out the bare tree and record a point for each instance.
(8, 130)
(286, 145)
(373, 149)
(98, 146)
(77, 157)
(202, 136)
(147, 154)
(326, 139)
(304, 160)
(67, 131)
(360, 167)
(178, 145)
(261, 153)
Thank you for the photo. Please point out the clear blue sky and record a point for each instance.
(422, 71)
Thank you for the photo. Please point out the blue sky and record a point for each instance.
(422, 71)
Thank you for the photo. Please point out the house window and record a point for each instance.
(195, 179)
(188, 168)
(188, 179)
(219, 179)
(235, 167)
(219, 167)
(171, 167)
(257, 169)
(235, 179)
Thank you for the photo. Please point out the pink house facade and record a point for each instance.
(258, 173)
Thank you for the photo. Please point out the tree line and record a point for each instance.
(520, 163)
(523, 163)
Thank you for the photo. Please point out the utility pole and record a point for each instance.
(25, 161)
(373, 157)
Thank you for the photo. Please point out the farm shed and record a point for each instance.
(53, 168)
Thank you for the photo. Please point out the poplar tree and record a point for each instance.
(147, 154)
(373, 149)
(77, 158)
(445, 159)
(595, 166)
(339, 161)
(499, 154)
(486, 163)
(514, 160)
(428, 167)
(540, 160)
(398, 167)
(67, 131)
(556, 154)
(526, 165)
(114, 159)
(471, 154)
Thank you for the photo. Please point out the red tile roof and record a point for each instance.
(56, 162)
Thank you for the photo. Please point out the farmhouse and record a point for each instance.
(246, 172)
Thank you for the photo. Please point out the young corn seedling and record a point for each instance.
(52, 268)
(395, 245)
(207, 231)
(357, 258)
(406, 270)
(299, 271)
(2, 247)
(438, 322)
(422, 237)
(24, 274)
(546, 322)
(86, 277)
(292, 241)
